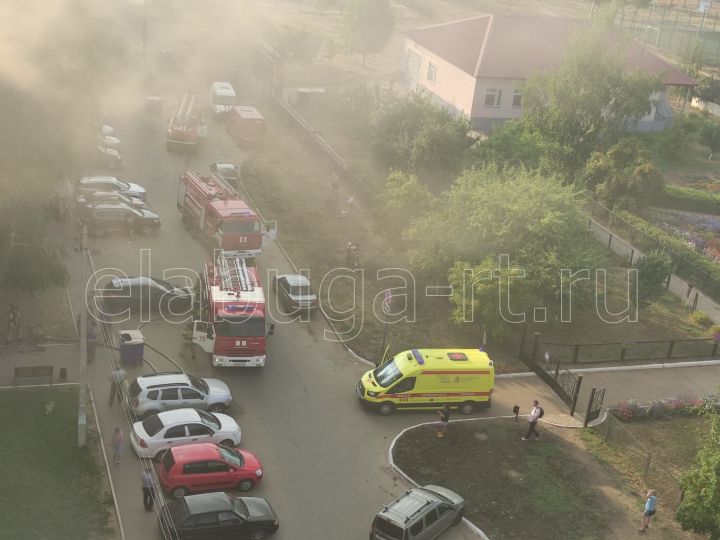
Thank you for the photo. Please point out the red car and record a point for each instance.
(208, 467)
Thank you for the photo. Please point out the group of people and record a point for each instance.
(117, 442)
(536, 413)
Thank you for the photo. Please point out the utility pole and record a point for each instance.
(82, 381)
(144, 28)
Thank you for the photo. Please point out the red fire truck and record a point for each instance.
(211, 204)
(186, 127)
(231, 307)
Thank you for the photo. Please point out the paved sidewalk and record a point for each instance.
(678, 286)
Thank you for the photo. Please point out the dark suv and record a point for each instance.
(105, 217)
(219, 516)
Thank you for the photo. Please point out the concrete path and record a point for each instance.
(678, 286)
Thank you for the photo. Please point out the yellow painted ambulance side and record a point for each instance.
(429, 378)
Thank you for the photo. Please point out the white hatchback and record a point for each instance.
(151, 437)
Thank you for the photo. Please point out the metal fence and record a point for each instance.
(628, 351)
(640, 462)
(675, 26)
(620, 231)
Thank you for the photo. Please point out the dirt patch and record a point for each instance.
(45, 313)
(545, 489)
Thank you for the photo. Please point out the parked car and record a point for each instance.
(147, 294)
(227, 171)
(421, 513)
(150, 394)
(106, 217)
(220, 516)
(91, 184)
(108, 141)
(106, 130)
(167, 429)
(94, 197)
(295, 292)
(107, 157)
(208, 467)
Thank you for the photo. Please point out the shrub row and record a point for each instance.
(632, 410)
(687, 260)
(688, 199)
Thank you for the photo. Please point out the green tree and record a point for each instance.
(699, 510)
(489, 213)
(623, 176)
(710, 136)
(369, 25)
(414, 135)
(585, 104)
(708, 89)
(298, 44)
(401, 198)
(653, 270)
(511, 144)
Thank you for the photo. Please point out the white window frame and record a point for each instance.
(517, 96)
(496, 94)
(432, 68)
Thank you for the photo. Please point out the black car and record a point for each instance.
(218, 516)
(117, 216)
(146, 292)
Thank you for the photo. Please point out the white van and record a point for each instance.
(222, 98)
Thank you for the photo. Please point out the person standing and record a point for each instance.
(148, 488)
(118, 439)
(91, 340)
(444, 414)
(650, 504)
(116, 379)
(536, 413)
(13, 325)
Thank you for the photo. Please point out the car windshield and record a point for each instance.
(152, 424)
(240, 507)
(387, 373)
(199, 384)
(242, 226)
(123, 185)
(134, 389)
(209, 419)
(300, 290)
(389, 529)
(248, 327)
(232, 457)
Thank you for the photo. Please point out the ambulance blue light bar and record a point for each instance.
(418, 357)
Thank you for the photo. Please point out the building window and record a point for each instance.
(493, 96)
(517, 99)
(432, 72)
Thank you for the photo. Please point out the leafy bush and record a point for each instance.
(688, 199)
(710, 136)
(701, 319)
(632, 410)
(674, 141)
(653, 270)
(679, 250)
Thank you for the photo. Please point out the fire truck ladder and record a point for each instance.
(186, 108)
(234, 274)
(220, 181)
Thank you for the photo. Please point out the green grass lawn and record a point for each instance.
(673, 444)
(51, 488)
(513, 489)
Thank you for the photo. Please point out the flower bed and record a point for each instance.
(632, 410)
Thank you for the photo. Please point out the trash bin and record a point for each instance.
(132, 343)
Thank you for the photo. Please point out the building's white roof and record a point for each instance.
(223, 89)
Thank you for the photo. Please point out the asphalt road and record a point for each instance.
(325, 457)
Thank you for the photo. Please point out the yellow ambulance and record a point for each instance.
(429, 378)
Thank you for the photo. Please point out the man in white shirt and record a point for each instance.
(535, 415)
